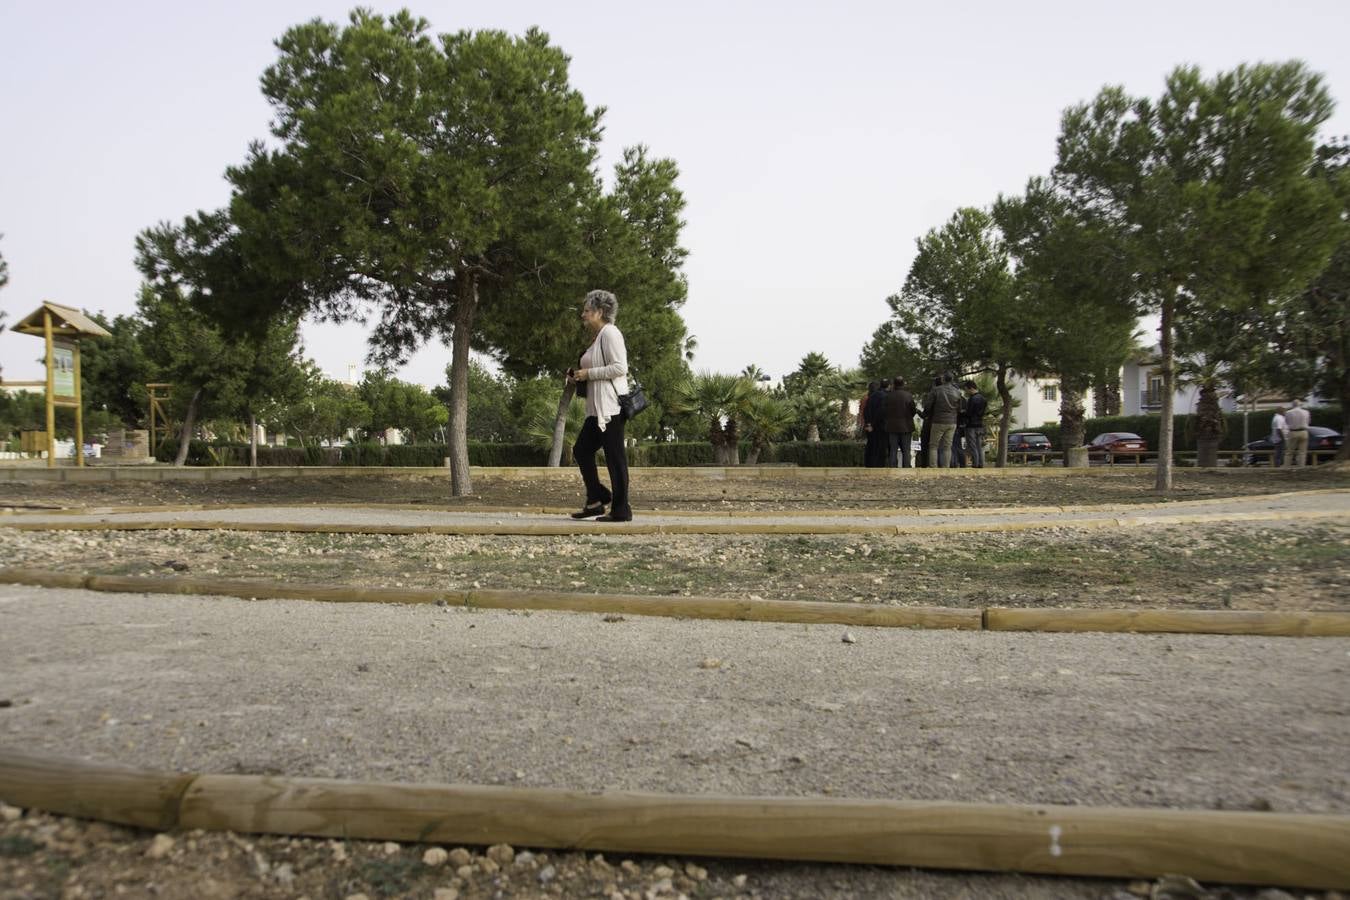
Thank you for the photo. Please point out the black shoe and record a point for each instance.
(590, 509)
(617, 517)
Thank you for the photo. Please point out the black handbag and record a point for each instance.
(635, 401)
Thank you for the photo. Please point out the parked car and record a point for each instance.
(1029, 442)
(1319, 438)
(1116, 443)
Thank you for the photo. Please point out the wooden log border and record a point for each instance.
(1293, 850)
(1129, 621)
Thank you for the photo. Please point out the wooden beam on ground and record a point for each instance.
(1274, 623)
(127, 796)
(1306, 851)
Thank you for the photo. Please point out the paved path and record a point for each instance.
(1328, 504)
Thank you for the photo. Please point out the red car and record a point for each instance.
(1117, 443)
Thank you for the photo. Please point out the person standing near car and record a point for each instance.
(898, 419)
(976, 406)
(1279, 434)
(1296, 449)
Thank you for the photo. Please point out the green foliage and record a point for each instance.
(681, 453)
(399, 404)
(817, 453)
(202, 453)
(1205, 193)
(719, 401)
(114, 371)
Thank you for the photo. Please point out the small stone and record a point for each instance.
(663, 886)
(524, 858)
(357, 897)
(160, 847)
(849, 638)
(546, 874)
(284, 874)
(460, 857)
(435, 856)
(630, 867)
(698, 873)
(663, 871)
(465, 872)
(501, 854)
(710, 663)
(339, 852)
(739, 881)
(445, 893)
(1139, 888)
(10, 813)
(489, 866)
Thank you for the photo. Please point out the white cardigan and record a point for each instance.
(606, 365)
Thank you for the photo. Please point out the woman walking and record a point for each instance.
(604, 373)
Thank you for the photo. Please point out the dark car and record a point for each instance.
(1029, 442)
(1260, 453)
(1117, 443)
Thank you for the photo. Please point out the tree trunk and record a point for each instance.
(555, 450)
(1071, 416)
(848, 423)
(813, 433)
(733, 438)
(1163, 481)
(1208, 426)
(466, 304)
(1005, 419)
(752, 455)
(185, 433)
(252, 440)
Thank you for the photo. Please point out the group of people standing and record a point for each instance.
(952, 434)
(1289, 434)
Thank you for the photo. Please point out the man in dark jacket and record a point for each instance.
(976, 407)
(874, 456)
(898, 420)
(943, 403)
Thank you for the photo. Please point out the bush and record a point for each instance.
(1183, 431)
(823, 453)
(677, 453)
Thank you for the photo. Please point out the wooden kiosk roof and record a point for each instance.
(66, 322)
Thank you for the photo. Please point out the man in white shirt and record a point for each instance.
(1279, 434)
(1297, 418)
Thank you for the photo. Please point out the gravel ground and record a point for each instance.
(574, 701)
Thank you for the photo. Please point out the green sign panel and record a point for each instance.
(63, 371)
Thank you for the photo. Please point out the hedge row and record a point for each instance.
(200, 453)
(1183, 428)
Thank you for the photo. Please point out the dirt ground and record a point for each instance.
(1277, 565)
(653, 489)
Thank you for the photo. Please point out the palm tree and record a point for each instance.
(766, 418)
(720, 400)
(1207, 420)
(754, 373)
(813, 407)
(843, 386)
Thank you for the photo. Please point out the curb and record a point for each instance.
(1296, 850)
(1156, 621)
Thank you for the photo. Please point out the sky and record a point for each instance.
(816, 141)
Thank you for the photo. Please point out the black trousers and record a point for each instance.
(610, 440)
(898, 443)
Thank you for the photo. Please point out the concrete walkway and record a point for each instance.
(1327, 504)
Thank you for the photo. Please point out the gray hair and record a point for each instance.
(604, 303)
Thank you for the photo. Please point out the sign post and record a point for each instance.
(61, 328)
